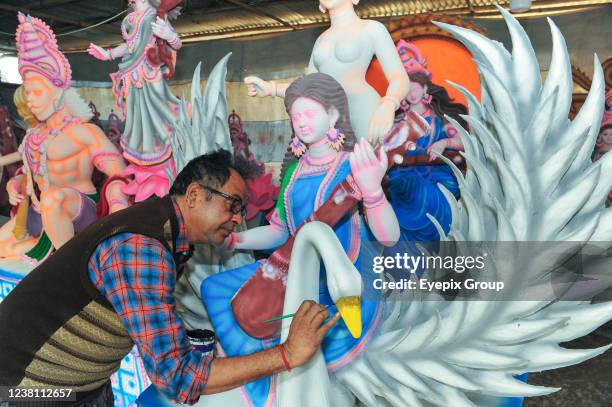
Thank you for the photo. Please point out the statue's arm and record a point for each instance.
(389, 59)
(119, 51)
(106, 158)
(263, 237)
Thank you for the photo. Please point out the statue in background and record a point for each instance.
(413, 190)
(59, 153)
(604, 139)
(142, 95)
(345, 51)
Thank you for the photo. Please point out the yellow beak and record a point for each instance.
(350, 311)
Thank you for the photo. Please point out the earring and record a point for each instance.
(427, 98)
(58, 103)
(334, 139)
(322, 9)
(297, 147)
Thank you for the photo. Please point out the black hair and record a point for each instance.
(212, 169)
(327, 91)
(441, 103)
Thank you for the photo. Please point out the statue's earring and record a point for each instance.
(334, 139)
(322, 9)
(58, 103)
(427, 98)
(297, 147)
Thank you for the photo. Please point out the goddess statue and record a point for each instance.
(413, 190)
(323, 141)
(59, 153)
(345, 51)
(142, 95)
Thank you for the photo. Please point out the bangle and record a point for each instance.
(119, 201)
(274, 92)
(230, 243)
(110, 54)
(392, 99)
(375, 200)
(173, 42)
(283, 356)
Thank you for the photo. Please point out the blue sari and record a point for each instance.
(414, 192)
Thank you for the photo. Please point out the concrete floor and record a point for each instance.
(588, 384)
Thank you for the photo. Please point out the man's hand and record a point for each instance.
(307, 332)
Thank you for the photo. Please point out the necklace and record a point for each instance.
(319, 162)
(36, 144)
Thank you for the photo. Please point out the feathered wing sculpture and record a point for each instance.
(530, 178)
(203, 130)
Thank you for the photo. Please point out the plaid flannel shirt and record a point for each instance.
(137, 275)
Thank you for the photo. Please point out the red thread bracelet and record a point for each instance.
(281, 349)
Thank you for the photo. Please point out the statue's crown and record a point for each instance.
(411, 58)
(37, 51)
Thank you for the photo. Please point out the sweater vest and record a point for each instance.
(56, 329)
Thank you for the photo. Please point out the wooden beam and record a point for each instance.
(42, 14)
(51, 3)
(470, 6)
(260, 12)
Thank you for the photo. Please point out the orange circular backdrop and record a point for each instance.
(447, 59)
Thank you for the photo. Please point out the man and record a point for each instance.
(69, 323)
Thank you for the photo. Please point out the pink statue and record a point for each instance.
(142, 95)
(59, 153)
(604, 139)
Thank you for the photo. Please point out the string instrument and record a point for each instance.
(262, 296)
(20, 229)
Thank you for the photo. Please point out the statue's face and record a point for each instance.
(606, 137)
(416, 92)
(40, 95)
(310, 120)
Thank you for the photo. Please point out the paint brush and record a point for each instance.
(289, 315)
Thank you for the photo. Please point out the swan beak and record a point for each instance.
(350, 311)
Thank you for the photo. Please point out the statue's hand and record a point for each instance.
(437, 147)
(98, 52)
(306, 332)
(15, 194)
(162, 29)
(258, 87)
(368, 171)
(381, 122)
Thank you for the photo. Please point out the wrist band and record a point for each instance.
(231, 241)
(281, 350)
(110, 54)
(174, 41)
(392, 99)
(118, 201)
(274, 93)
(375, 200)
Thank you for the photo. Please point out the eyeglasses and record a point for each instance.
(236, 205)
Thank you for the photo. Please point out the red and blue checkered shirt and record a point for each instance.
(137, 275)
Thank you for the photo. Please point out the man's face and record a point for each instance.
(213, 220)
